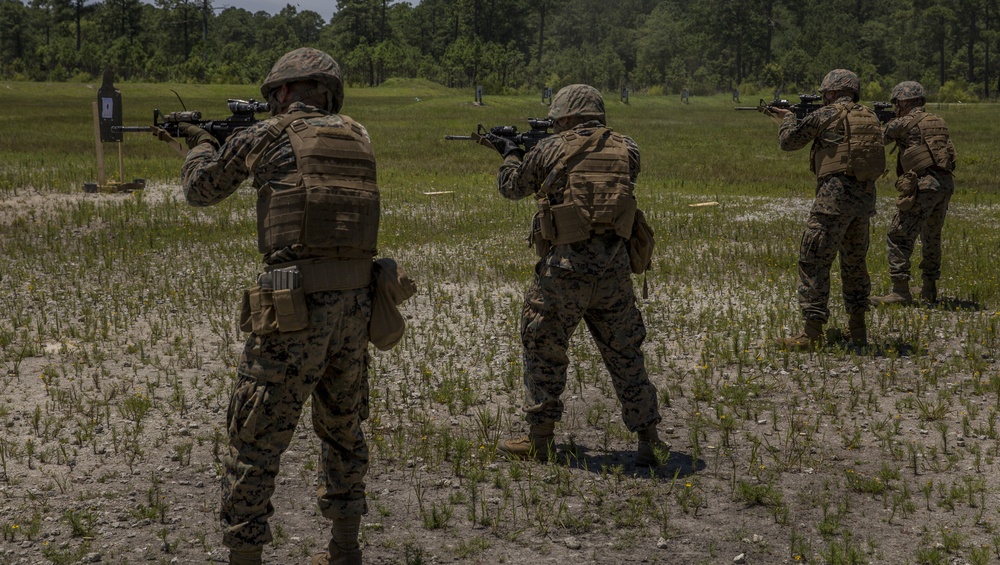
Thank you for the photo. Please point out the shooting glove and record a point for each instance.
(195, 135)
(505, 146)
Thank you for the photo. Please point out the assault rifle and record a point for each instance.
(807, 104)
(243, 116)
(528, 139)
(884, 111)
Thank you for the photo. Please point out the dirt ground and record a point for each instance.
(111, 447)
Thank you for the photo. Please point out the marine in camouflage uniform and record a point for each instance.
(926, 154)
(326, 361)
(840, 215)
(586, 279)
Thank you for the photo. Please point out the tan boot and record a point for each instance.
(344, 548)
(651, 450)
(538, 444)
(857, 330)
(900, 294)
(246, 557)
(810, 338)
(928, 292)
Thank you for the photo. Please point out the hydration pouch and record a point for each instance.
(571, 225)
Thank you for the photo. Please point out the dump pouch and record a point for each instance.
(392, 288)
(640, 244)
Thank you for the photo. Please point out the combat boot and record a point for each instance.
(857, 330)
(900, 294)
(928, 292)
(810, 338)
(538, 444)
(649, 446)
(246, 557)
(344, 548)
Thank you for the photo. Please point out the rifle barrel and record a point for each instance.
(131, 129)
(757, 108)
(458, 137)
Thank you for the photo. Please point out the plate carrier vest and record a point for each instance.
(333, 207)
(597, 196)
(860, 153)
(935, 149)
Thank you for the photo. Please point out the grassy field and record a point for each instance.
(118, 338)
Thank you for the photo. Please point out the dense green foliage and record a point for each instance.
(659, 45)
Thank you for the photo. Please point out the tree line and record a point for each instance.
(659, 46)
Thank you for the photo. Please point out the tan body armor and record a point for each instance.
(860, 153)
(333, 207)
(597, 196)
(935, 149)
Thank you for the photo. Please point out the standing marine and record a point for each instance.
(317, 223)
(847, 155)
(582, 178)
(924, 165)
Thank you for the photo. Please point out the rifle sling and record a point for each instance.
(907, 131)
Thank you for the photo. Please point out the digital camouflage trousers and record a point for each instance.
(925, 220)
(277, 373)
(553, 307)
(825, 237)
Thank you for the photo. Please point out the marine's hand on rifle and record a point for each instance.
(779, 112)
(196, 135)
(505, 146)
(161, 134)
(164, 136)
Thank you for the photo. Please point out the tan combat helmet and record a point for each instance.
(908, 90)
(842, 80)
(306, 63)
(578, 100)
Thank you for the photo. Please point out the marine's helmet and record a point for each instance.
(306, 63)
(577, 100)
(907, 90)
(841, 80)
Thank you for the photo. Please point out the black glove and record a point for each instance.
(196, 135)
(504, 145)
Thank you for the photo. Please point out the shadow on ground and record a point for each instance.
(676, 464)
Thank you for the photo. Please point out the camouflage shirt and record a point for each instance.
(209, 175)
(519, 179)
(838, 193)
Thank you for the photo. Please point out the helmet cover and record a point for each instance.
(577, 100)
(306, 63)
